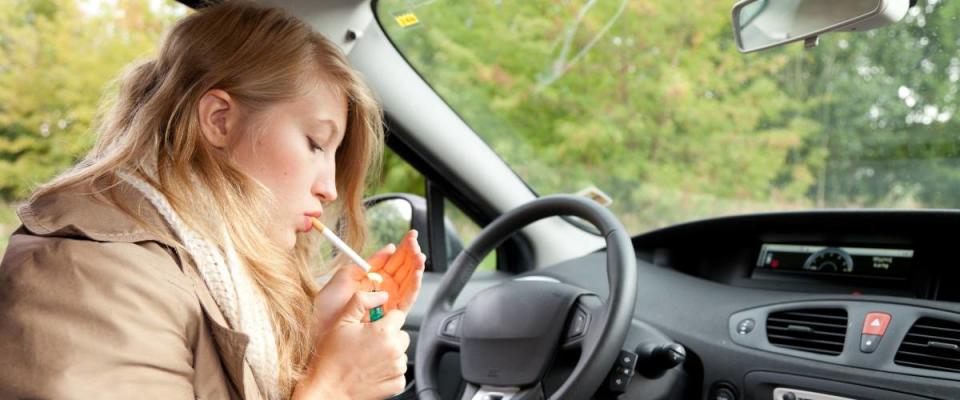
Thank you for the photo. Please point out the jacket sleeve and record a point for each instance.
(81, 319)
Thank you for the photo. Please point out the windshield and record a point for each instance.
(650, 102)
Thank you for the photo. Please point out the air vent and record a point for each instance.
(931, 344)
(816, 330)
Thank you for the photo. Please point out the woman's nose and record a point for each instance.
(325, 190)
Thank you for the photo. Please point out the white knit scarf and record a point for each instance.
(230, 285)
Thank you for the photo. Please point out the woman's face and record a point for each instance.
(291, 149)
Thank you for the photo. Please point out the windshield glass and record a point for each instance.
(651, 103)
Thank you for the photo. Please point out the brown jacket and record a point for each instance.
(92, 306)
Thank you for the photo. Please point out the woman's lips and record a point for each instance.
(307, 222)
(306, 226)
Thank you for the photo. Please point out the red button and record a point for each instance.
(876, 323)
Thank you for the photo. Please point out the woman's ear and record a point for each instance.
(218, 116)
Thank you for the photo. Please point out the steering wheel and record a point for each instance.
(508, 335)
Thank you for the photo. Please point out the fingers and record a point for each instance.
(405, 266)
(413, 264)
(404, 341)
(378, 259)
(392, 321)
(390, 286)
(394, 386)
(410, 264)
(356, 310)
(391, 344)
(399, 266)
(391, 376)
(409, 284)
(395, 343)
(407, 246)
(400, 365)
(398, 356)
(408, 291)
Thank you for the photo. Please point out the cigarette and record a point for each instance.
(343, 247)
(377, 312)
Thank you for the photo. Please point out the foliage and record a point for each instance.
(651, 102)
(647, 100)
(56, 61)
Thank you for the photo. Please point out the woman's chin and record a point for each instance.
(285, 239)
(289, 241)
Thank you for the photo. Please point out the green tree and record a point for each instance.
(646, 100)
(56, 62)
(886, 101)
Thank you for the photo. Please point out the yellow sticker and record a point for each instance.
(406, 20)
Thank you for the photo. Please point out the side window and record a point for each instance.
(388, 220)
(468, 230)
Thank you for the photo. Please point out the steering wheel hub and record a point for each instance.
(517, 324)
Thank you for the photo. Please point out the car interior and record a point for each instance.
(817, 304)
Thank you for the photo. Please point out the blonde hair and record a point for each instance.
(260, 56)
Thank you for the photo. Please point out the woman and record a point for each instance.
(174, 260)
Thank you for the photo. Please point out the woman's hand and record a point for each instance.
(401, 269)
(354, 358)
(402, 273)
(329, 303)
(357, 360)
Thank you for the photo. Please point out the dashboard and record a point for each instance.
(848, 304)
(893, 253)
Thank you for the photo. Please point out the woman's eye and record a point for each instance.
(313, 145)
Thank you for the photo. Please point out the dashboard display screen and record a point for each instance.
(851, 261)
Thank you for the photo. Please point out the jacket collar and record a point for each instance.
(87, 212)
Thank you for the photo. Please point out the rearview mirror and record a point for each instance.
(762, 24)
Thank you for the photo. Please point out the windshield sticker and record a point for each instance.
(596, 195)
(406, 19)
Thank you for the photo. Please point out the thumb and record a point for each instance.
(359, 306)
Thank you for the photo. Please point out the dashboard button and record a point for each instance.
(746, 326)
(622, 371)
(869, 343)
(578, 324)
(627, 359)
(451, 326)
(722, 391)
(724, 394)
(876, 323)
